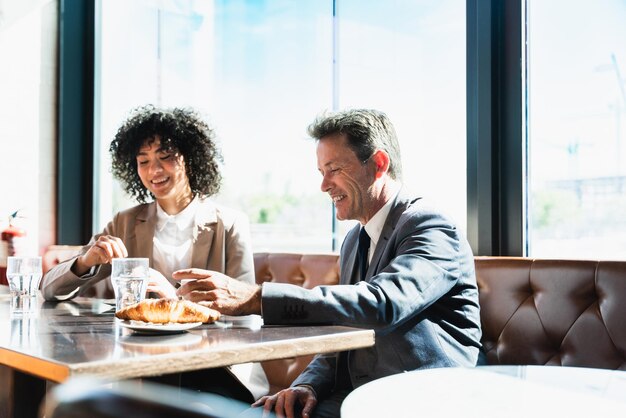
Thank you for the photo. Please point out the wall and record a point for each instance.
(28, 77)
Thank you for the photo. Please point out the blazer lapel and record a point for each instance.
(144, 231)
(349, 272)
(397, 209)
(206, 217)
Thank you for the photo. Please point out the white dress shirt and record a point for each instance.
(374, 227)
(172, 242)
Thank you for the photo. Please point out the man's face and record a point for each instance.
(347, 181)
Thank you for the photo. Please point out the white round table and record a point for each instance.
(492, 391)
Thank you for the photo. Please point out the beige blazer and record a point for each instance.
(221, 242)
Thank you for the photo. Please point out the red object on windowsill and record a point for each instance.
(7, 246)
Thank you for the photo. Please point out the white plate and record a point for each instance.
(246, 321)
(149, 328)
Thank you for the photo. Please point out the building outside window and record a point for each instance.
(577, 129)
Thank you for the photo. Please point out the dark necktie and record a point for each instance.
(363, 252)
(342, 377)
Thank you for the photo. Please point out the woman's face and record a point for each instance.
(162, 171)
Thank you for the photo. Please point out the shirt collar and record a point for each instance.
(374, 226)
(183, 220)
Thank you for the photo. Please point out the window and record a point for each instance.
(408, 59)
(262, 70)
(577, 129)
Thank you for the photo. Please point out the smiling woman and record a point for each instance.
(167, 160)
(165, 155)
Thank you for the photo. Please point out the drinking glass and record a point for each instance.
(129, 277)
(23, 275)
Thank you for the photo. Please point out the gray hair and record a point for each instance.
(366, 130)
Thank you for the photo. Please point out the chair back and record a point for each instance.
(87, 398)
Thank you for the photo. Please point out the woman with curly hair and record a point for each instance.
(168, 161)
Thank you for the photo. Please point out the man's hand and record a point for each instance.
(284, 402)
(158, 284)
(105, 249)
(218, 291)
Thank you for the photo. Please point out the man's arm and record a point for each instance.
(420, 264)
(319, 374)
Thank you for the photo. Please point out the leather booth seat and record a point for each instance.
(553, 312)
(307, 270)
(56, 254)
(533, 312)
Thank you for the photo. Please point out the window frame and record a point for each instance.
(75, 122)
(496, 135)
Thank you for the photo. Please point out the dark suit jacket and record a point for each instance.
(419, 295)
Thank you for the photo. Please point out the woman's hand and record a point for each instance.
(105, 249)
(161, 286)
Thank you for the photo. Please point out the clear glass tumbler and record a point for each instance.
(129, 277)
(24, 275)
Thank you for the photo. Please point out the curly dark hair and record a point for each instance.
(182, 131)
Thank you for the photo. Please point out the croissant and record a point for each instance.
(163, 311)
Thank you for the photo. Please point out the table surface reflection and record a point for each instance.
(493, 391)
(82, 336)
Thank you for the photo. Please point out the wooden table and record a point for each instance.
(493, 391)
(81, 337)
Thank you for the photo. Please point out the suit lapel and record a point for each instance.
(397, 209)
(145, 222)
(349, 273)
(206, 217)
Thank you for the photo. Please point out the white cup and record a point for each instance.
(129, 277)
(24, 275)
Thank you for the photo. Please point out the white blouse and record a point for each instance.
(172, 242)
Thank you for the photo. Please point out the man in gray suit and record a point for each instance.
(406, 272)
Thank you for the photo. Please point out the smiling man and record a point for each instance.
(406, 271)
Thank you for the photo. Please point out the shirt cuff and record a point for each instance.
(92, 272)
(261, 291)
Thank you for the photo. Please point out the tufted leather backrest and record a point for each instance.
(307, 270)
(56, 254)
(553, 312)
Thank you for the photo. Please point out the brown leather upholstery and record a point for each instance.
(553, 312)
(56, 254)
(308, 270)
